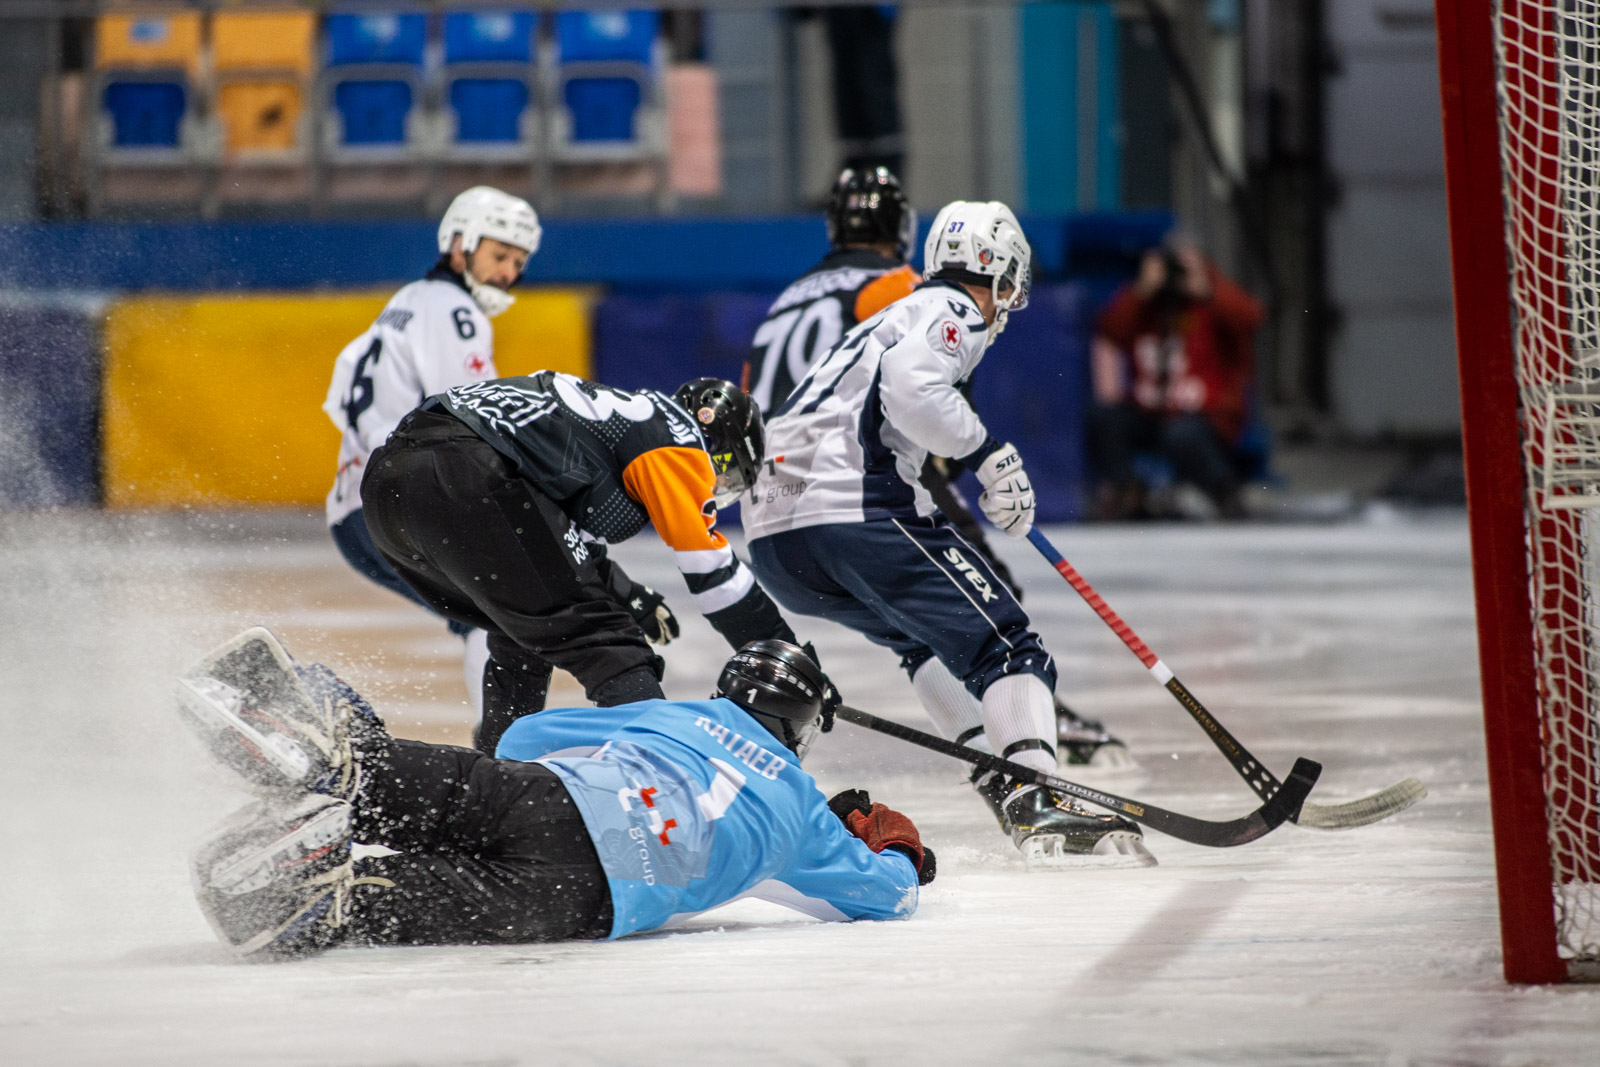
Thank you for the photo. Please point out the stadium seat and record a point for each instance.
(605, 93)
(491, 116)
(488, 110)
(373, 78)
(263, 61)
(376, 38)
(145, 114)
(378, 136)
(146, 42)
(148, 147)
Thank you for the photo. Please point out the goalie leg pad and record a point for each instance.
(274, 879)
(252, 707)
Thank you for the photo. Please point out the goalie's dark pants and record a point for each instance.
(487, 851)
(914, 585)
(484, 546)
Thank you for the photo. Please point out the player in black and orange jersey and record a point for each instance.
(495, 502)
(870, 230)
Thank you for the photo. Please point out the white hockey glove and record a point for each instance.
(1007, 498)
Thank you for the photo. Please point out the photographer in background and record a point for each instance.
(1173, 370)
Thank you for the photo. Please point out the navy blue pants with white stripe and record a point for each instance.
(913, 585)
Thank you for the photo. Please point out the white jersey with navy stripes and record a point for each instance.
(850, 441)
(430, 337)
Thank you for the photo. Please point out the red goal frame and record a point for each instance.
(1495, 469)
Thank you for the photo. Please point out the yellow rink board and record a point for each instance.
(217, 400)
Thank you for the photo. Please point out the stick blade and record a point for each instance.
(1353, 813)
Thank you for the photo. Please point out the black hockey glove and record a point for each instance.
(830, 692)
(881, 827)
(649, 609)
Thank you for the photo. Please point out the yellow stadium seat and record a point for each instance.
(259, 115)
(264, 41)
(154, 41)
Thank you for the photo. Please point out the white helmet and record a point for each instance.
(482, 212)
(981, 244)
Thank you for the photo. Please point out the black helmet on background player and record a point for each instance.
(868, 208)
(780, 686)
(732, 425)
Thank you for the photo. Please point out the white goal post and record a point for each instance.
(1520, 84)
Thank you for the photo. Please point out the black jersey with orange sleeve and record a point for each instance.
(849, 286)
(613, 461)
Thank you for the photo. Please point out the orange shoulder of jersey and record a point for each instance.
(884, 290)
(675, 485)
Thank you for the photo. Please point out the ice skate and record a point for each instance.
(1082, 742)
(277, 725)
(1053, 833)
(274, 879)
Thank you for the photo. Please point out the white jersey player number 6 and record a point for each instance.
(600, 408)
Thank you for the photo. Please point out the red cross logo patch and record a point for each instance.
(950, 334)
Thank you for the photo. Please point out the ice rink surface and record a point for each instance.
(1352, 644)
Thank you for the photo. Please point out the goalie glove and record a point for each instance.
(649, 609)
(880, 826)
(1007, 499)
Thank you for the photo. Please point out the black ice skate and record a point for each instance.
(277, 725)
(1053, 833)
(275, 878)
(1084, 742)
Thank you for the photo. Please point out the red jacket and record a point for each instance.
(1206, 364)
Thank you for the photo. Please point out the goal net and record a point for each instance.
(1548, 87)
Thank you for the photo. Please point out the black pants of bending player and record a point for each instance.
(487, 548)
(487, 851)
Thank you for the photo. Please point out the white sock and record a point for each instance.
(1018, 707)
(474, 658)
(954, 711)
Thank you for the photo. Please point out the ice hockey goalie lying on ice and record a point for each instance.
(592, 823)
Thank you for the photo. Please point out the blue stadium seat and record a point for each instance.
(488, 110)
(376, 39)
(606, 72)
(606, 36)
(145, 114)
(373, 78)
(602, 108)
(488, 72)
(489, 36)
(374, 112)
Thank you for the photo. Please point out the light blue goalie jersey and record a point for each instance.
(693, 804)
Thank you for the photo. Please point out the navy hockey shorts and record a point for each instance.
(354, 540)
(913, 585)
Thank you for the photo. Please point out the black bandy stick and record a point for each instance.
(1352, 813)
(1279, 808)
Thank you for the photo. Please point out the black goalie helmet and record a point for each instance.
(867, 207)
(781, 688)
(734, 434)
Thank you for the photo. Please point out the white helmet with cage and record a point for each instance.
(981, 243)
(483, 211)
